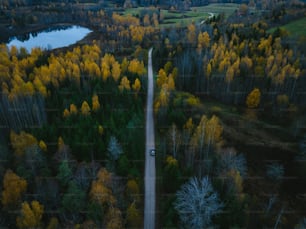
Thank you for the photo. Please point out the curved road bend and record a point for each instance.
(149, 179)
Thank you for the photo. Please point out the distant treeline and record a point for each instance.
(17, 3)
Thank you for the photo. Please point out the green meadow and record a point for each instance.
(295, 28)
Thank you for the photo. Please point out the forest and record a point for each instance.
(229, 113)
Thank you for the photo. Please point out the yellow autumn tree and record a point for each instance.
(13, 187)
(124, 84)
(164, 95)
(100, 129)
(213, 131)
(116, 71)
(31, 215)
(203, 39)
(21, 141)
(100, 191)
(137, 85)
(171, 82)
(191, 33)
(253, 99)
(85, 109)
(60, 142)
(124, 65)
(146, 20)
(137, 67)
(42, 145)
(40, 87)
(161, 77)
(73, 109)
(95, 103)
(114, 218)
(137, 33)
(66, 113)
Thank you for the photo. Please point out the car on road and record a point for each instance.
(152, 152)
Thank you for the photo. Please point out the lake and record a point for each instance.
(56, 37)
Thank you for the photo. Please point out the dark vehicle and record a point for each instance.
(152, 152)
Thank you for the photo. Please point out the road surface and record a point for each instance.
(149, 179)
(209, 17)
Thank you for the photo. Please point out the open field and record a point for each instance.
(196, 14)
(294, 28)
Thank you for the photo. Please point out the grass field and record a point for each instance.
(295, 28)
(195, 14)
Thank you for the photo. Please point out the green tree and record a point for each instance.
(74, 200)
(64, 173)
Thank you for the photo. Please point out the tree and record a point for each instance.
(66, 113)
(95, 103)
(198, 142)
(31, 215)
(213, 131)
(253, 99)
(73, 109)
(100, 191)
(275, 171)
(116, 71)
(64, 173)
(43, 145)
(53, 223)
(124, 84)
(85, 109)
(114, 219)
(13, 187)
(174, 137)
(114, 151)
(137, 85)
(172, 175)
(136, 67)
(243, 9)
(186, 136)
(229, 160)
(191, 33)
(100, 129)
(124, 65)
(137, 33)
(146, 20)
(161, 78)
(21, 141)
(132, 189)
(164, 95)
(74, 199)
(133, 216)
(197, 202)
(203, 39)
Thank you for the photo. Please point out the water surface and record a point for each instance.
(51, 38)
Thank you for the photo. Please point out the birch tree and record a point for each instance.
(197, 203)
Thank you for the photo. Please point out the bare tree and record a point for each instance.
(174, 140)
(197, 203)
(229, 160)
